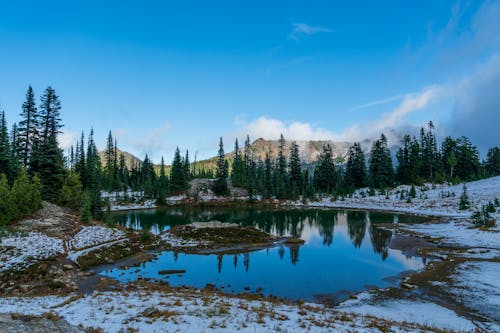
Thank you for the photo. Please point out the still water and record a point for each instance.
(344, 252)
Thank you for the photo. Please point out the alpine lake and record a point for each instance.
(344, 252)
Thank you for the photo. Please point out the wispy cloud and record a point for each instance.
(302, 29)
(380, 101)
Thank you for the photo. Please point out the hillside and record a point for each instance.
(130, 160)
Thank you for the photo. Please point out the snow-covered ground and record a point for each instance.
(459, 233)
(433, 200)
(21, 250)
(198, 312)
(93, 235)
(477, 284)
(127, 200)
(411, 311)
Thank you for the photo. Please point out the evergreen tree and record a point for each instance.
(325, 177)
(220, 184)
(281, 172)
(187, 166)
(449, 157)
(296, 182)
(238, 172)
(430, 155)
(356, 166)
(109, 163)
(492, 163)
(72, 194)
(27, 131)
(6, 204)
(467, 159)
(80, 161)
(268, 176)
(51, 165)
(93, 178)
(49, 113)
(381, 171)
(25, 195)
(5, 148)
(178, 182)
(250, 172)
(162, 184)
(464, 199)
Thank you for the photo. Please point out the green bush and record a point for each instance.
(72, 195)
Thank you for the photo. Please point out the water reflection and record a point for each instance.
(278, 222)
(343, 250)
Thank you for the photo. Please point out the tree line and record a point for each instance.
(33, 167)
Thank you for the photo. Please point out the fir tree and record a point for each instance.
(325, 177)
(238, 171)
(5, 149)
(220, 184)
(162, 184)
(27, 131)
(281, 172)
(492, 163)
(467, 159)
(356, 166)
(6, 204)
(178, 182)
(109, 163)
(51, 165)
(464, 199)
(381, 171)
(296, 182)
(187, 166)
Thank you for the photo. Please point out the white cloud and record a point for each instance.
(269, 128)
(66, 139)
(302, 29)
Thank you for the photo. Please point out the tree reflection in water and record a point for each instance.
(281, 223)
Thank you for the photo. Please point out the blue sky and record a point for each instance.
(162, 74)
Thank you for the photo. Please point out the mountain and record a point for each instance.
(130, 160)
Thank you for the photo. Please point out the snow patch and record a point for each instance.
(19, 251)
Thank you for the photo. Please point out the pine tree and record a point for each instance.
(27, 130)
(93, 177)
(325, 177)
(187, 166)
(268, 176)
(109, 163)
(80, 161)
(281, 172)
(72, 194)
(464, 199)
(5, 149)
(356, 166)
(162, 184)
(296, 182)
(25, 195)
(220, 184)
(492, 163)
(467, 159)
(51, 165)
(238, 172)
(49, 113)
(178, 182)
(6, 204)
(381, 171)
